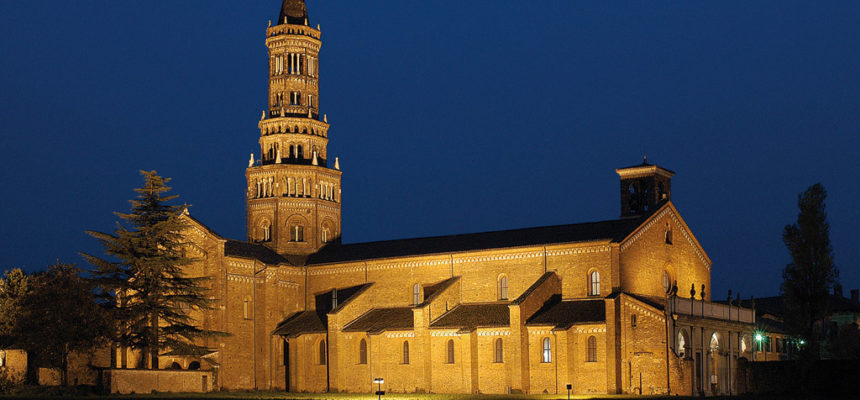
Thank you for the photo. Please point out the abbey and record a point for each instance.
(615, 306)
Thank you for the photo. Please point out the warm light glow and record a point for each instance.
(758, 337)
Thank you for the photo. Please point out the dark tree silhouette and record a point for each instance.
(149, 293)
(810, 275)
(59, 315)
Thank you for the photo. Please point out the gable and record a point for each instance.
(682, 233)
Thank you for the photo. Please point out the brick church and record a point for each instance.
(614, 306)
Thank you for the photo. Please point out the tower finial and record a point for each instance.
(644, 159)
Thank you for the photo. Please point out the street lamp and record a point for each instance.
(759, 338)
(569, 386)
(379, 392)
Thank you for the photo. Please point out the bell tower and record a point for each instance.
(644, 187)
(294, 192)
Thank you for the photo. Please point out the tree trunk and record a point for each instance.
(65, 375)
(153, 348)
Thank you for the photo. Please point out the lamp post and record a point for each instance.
(569, 386)
(379, 392)
(758, 339)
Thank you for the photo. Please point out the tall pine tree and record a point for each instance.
(144, 284)
(807, 280)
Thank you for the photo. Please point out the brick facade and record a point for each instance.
(592, 305)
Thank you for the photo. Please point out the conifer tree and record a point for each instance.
(145, 285)
(810, 275)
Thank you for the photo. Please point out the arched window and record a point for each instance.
(246, 308)
(546, 354)
(450, 348)
(666, 282)
(500, 354)
(2, 358)
(406, 352)
(299, 152)
(591, 349)
(266, 235)
(594, 283)
(297, 233)
(175, 365)
(503, 287)
(362, 352)
(416, 294)
(743, 345)
(682, 343)
(292, 151)
(322, 352)
(194, 365)
(633, 320)
(715, 343)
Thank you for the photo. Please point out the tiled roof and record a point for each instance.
(301, 322)
(471, 316)
(382, 319)
(253, 251)
(613, 230)
(563, 314)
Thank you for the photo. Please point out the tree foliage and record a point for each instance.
(144, 283)
(808, 278)
(14, 286)
(59, 315)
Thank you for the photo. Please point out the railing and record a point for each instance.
(708, 309)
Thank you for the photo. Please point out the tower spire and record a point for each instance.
(293, 12)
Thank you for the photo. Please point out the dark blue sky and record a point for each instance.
(448, 116)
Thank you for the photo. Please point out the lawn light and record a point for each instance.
(379, 391)
(569, 386)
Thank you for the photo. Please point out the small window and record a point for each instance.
(546, 355)
(362, 352)
(322, 353)
(500, 354)
(666, 283)
(405, 352)
(594, 283)
(324, 235)
(503, 287)
(450, 359)
(416, 294)
(591, 350)
(668, 234)
(246, 308)
(633, 320)
(294, 98)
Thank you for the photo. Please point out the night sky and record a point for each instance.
(448, 116)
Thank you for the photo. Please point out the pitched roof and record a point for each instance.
(613, 230)
(253, 251)
(301, 322)
(563, 314)
(382, 319)
(471, 316)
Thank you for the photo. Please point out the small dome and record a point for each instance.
(295, 12)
